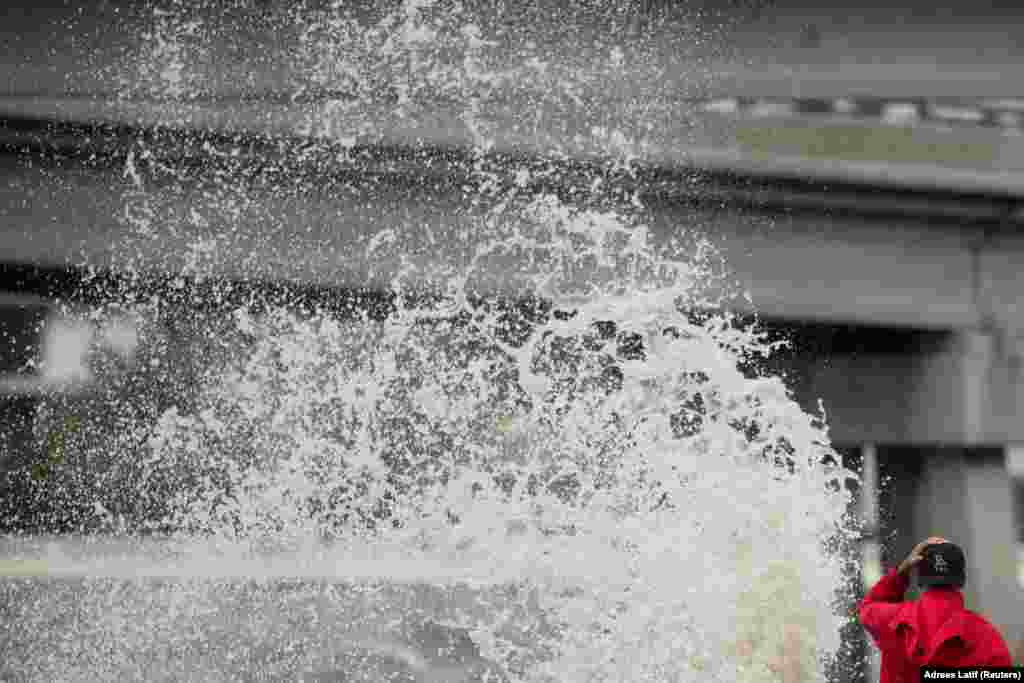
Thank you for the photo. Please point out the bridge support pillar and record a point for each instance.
(965, 495)
(948, 476)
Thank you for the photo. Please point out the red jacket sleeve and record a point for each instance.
(1001, 657)
(881, 603)
(999, 653)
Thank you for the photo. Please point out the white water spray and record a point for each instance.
(599, 485)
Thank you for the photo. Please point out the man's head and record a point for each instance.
(943, 564)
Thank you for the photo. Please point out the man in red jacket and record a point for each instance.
(934, 630)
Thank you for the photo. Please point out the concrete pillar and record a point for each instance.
(966, 495)
(871, 551)
(899, 473)
(851, 662)
(991, 514)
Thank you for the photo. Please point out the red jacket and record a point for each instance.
(935, 630)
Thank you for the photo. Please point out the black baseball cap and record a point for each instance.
(944, 564)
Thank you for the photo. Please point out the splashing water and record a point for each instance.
(549, 444)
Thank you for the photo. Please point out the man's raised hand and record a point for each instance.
(917, 554)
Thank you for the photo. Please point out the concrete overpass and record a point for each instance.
(882, 226)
